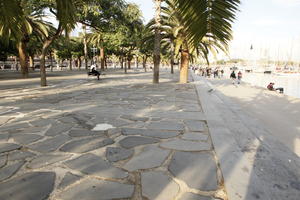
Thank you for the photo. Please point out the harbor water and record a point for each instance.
(290, 82)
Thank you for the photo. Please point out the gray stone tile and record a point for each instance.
(26, 138)
(195, 136)
(33, 130)
(20, 155)
(36, 185)
(191, 196)
(114, 154)
(94, 165)
(157, 185)
(186, 145)
(3, 160)
(58, 129)
(195, 125)
(133, 141)
(162, 134)
(46, 159)
(134, 118)
(86, 144)
(42, 122)
(93, 189)
(68, 179)
(150, 157)
(85, 132)
(171, 126)
(10, 170)
(4, 137)
(14, 126)
(6, 147)
(50, 144)
(197, 169)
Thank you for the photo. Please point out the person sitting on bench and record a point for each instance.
(271, 87)
(94, 72)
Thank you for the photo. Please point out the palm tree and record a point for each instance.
(157, 39)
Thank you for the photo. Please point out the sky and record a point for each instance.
(272, 27)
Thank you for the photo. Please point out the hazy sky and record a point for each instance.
(271, 26)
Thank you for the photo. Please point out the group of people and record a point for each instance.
(234, 77)
(208, 72)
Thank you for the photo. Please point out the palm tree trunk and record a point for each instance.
(85, 47)
(42, 66)
(172, 57)
(129, 63)
(102, 62)
(125, 67)
(23, 59)
(184, 65)
(79, 63)
(31, 62)
(156, 52)
(71, 62)
(136, 62)
(145, 62)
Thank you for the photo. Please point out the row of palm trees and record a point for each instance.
(183, 29)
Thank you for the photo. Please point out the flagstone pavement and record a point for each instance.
(118, 138)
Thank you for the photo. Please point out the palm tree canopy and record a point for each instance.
(211, 18)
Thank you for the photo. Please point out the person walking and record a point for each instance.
(239, 77)
(233, 77)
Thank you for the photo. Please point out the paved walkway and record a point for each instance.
(118, 138)
(255, 164)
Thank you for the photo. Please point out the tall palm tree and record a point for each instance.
(157, 39)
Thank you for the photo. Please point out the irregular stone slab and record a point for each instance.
(85, 145)
(195, 125)
(134, 118)
(58, 128)
(195, 136)
(113, 132)
(102, 127)
(171, 126)
(157, 185)
(133, 141)
(163, 134)
(191, 196)
(84, 132)
(46, 159)
(10, 170)
(14, 126)
(42, 122)
(50, 144)
(4, 137)
(152, 156)
(68, 179)
(3, 160)
(20, 155)
(93, 189)
(36, 185)
(26, 138)
(33, 130)
(197, 169)
(186, 145)
(114, 154)
(94, 165)
(5, 147)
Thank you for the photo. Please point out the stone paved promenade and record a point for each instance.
(118, 138)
